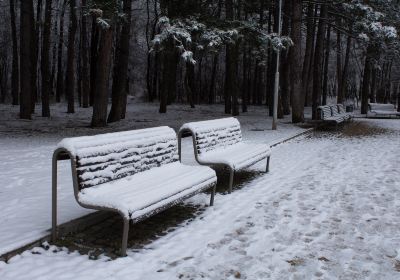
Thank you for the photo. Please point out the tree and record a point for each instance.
(99, 118)
(15, 58)
(27, 69)
(46, 85)
(295, 58)
(121, 67)
(70, 79)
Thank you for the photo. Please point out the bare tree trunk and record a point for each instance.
(94, 45)
(318, 61)
(85, 59)
(121, 67)
(339, 75)
(99, 118)
(295, 60)
(285, 72)
(366, 81)
(345, 69)
(26, 55)
(229, 63)
(46, 86)
(60, 68)
(326, 66)
(15, 58)
(70, 79)
(309, 49)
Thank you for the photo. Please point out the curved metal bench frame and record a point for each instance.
(199, 161)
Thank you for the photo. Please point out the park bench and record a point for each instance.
(376, 110)
(333, 114)
(219, 143)
(134, 173)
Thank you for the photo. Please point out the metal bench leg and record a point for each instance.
(54, 200)
(267, 167)
(232, 173)
(212, 195)
(125, 237)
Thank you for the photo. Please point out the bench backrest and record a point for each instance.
(214, 134)
(335, 110)
(107, 157)
(381, 107)
(341, 108)
(326, 112)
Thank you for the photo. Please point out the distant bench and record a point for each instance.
(219, 143)
(376, 110)
(333, 114)
(135, 173)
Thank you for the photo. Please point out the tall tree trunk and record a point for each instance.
(229, 63)
(345, 69)
(94, 45)
(295, 60)
(60, 68)
(309, 49)
(46, 86)
(326, 66)
(85, 59)
(339, 76)
(15, 58)
(36, 45)
(319, 60)
(121, 67)
(26, 55)
(285, 71)
(99, 118)
(366, 81)
(70, 79)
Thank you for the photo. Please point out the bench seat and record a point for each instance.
(376, 110)
(143, 193)
(238, 156)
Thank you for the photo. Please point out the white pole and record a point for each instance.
(276, 88)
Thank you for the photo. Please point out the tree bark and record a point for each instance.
(60, 69)
(121, 67)
(46, 86)
(309, 49)
(339, 76)
(326, 66)
(70, 79)
(295, 66)
(285, 71)
(94, 45)
(318, 61)
(15, 58)
(26, 55)
(99, 118)
(229, 63)
(85, 59)
(366, 81)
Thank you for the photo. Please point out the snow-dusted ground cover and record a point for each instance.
(27, 147)
(329, 209)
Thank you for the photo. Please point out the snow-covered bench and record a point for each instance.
(376, 110)
(333, 114)
(134, 173)
(219, 143)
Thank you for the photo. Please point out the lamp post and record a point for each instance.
(276, 88)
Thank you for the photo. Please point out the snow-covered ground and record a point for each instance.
(329, 209)
(27, 147)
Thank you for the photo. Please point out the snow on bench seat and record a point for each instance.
(237, 156)
(381, 110)
(219, 142)
(140, 194)
(135, 173)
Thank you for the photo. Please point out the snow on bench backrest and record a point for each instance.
(107, 157)
(381, 107)
(335, 110)
(341, 109)
(214, 134)
(326, 112)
